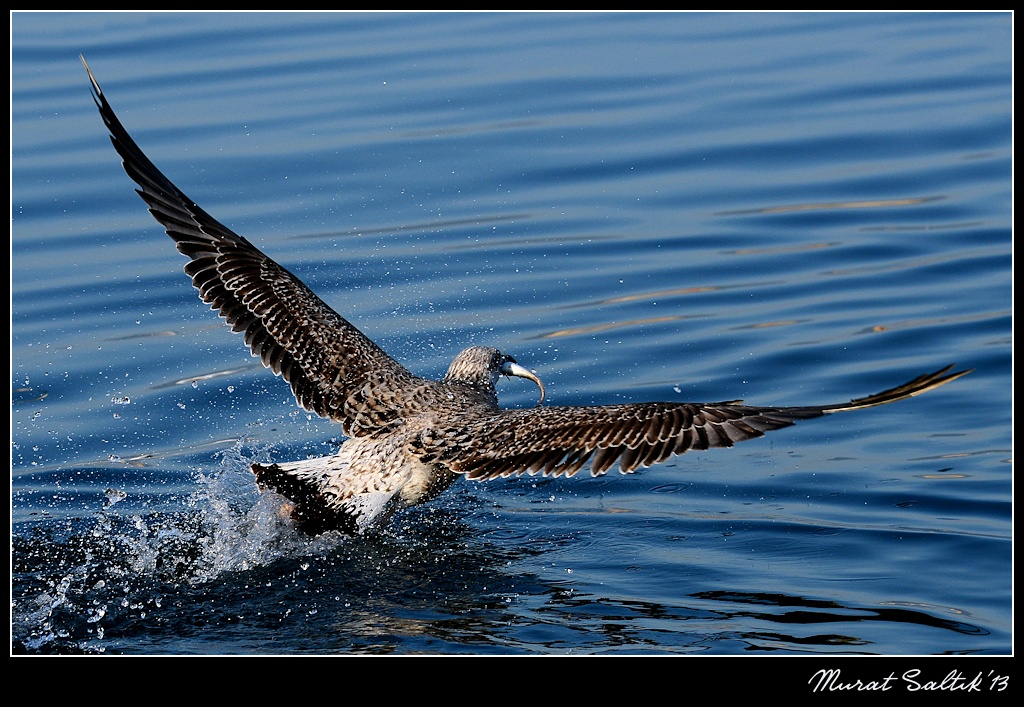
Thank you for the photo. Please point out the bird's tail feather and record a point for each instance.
(317, 505)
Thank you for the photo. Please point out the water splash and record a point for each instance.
(85, 581)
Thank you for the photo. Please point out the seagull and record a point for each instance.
(410, 438)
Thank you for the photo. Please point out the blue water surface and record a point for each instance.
(791, 209)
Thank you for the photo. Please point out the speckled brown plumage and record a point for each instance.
(411, 437)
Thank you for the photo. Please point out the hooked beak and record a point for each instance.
(511, 368)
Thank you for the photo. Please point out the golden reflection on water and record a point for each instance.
(836, 205)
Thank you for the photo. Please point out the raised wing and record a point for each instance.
(558, 441)
(323, 357)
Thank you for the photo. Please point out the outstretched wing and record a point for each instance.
(323, 357)
(558, 441)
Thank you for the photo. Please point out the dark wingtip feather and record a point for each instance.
(921, 384)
